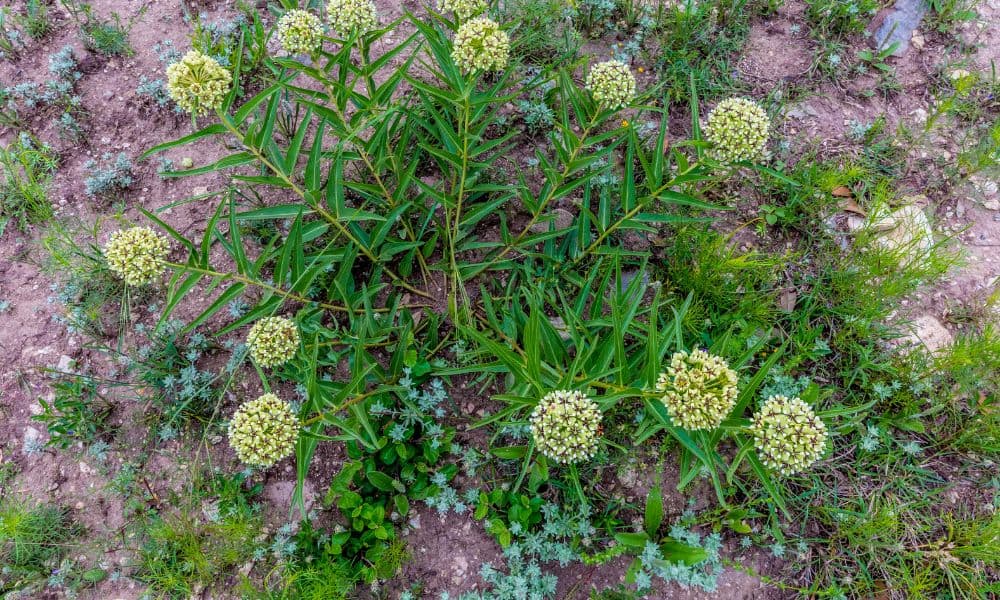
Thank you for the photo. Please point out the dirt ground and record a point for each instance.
(446, 554)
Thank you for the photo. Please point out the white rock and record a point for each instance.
(927, 330)
(906, 230)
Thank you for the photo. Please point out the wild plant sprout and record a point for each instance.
(300, 32)
(788, 435)
(348, 17)
(480, 45)
(463, 9)
(737, 129)
(612, 84)
(198, 83)
(263, 431)
(136, 255)
(699, 389)
(565, 426)
(273, 341)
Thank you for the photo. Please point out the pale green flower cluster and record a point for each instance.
(788, 435)
(352, 16)
(463, 9)
(611, 83)
(263, 431)
(565, 426)
(699, 389)
(136, 255)
(480, 45)
(273, 341)
(737, 129)
(198, 83)
(300, 32)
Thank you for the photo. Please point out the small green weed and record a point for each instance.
(26, 167)
(33, 539)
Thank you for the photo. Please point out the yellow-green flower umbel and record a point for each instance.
(263, 431)
(273, 341)
(136, 255)
(198, 83)
(463, 9)
(300, 32)
(699, 389)
(480, 45)
(611, 83)
(788, 435)
(737, 129)
(565, 426)
(348, 17)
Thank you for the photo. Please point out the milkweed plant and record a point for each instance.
(386, 205)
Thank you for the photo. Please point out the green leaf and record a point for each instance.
(215, 129)
(654, 509)
(679, 552)
(510, 452)
(402, 504)
(634, 540)
(385, 483)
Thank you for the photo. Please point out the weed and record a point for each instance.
(26, 166)
(186, 546)
(109, 37)
(76, 412)
(33, 539)
(109, 177)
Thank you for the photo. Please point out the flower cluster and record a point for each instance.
(263, 431)
(737, 129)
(273, 341)
(352, 16)
(463, 9)
(611, 83)
(480, 45)
(787, 434)
(198, 83)
(699, 389)
(300, 32)
(136, 255)
(565, 426)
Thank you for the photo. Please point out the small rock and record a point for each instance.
(560, 326)
(800, 111)
(66, 364)
(560, 217)
(992, 204)
(929, 332)
(899, 27)
(905, 229)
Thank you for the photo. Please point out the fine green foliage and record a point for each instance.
(33, 538)
(26, 168)
(107, 36)
(185, 546)
(76, 412)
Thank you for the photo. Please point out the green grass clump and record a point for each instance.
(187, 544)
(26, 169)
(33, 539)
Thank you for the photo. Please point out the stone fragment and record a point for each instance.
(906, 230)
(899, 26)
(929, 332)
